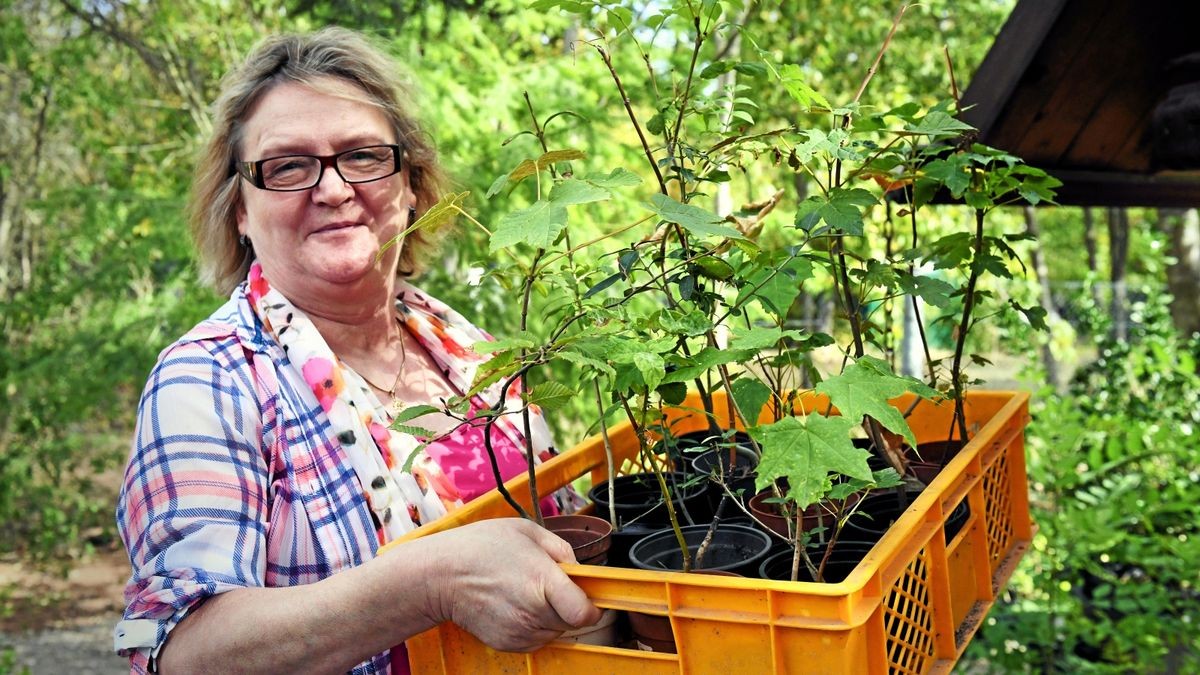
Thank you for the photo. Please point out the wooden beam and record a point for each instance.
(1007, 60)
(1094, 188)
(1097, 188)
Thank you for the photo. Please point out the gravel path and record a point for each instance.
(83, 648)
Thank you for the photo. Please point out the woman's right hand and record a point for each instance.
(500, 581)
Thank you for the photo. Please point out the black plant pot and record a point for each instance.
(928, 460)
(739, 479)
(845, 557)
(640, 508)
(734, 548)
(880, 511)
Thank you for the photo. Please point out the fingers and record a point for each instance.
(557, 547)
(569, 601)
(521, 604)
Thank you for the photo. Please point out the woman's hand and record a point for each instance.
(500, 581)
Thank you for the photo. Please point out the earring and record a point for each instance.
(244, 241)
(412, 215)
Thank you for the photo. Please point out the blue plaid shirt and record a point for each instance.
(234, 481)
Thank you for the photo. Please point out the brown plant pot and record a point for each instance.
(652, 632)
(814, 516)
(590, 537)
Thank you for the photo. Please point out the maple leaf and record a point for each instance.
(865, 387)
(805, 451)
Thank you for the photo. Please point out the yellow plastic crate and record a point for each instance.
(911, 606)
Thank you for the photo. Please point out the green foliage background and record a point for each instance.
(105, 105)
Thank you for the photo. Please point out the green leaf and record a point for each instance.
(792, 78)
(951, 250)
(775, 287)
(673, 393)
(808, 213)
(502, 344)
(602, 284)
(757, 338)
(651, 366)
(953, 172)
(573, 191)
(418, 432)
(805, 451)
(585, 361)
(718, 68)
(497, 185)
(441, 213)
(934, 291)
(865, 387)
(529, 167)
(750, 395)
(703, 360)
(938, 124)
(614, 179)
(1035, 315)
(413, 412)
(689, 324)
(549, 395)
(843, 210)
(694, 219)
(538, 226)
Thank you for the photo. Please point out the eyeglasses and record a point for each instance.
(292, 173)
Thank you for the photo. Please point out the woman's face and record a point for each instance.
(320, 245)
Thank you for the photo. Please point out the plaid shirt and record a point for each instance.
(234, 481)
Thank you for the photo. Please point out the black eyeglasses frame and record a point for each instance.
(252, 171)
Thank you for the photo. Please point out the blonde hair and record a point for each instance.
(320, 60)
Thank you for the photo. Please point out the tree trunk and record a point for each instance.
(1047, 300)
(1183, 276)
(1093, 255)
(1118, 254)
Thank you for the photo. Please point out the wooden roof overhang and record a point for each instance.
(1091, 91)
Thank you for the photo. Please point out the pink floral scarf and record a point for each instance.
(400, 500)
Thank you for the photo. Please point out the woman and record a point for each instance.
(264, 477)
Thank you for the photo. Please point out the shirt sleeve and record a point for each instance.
(194, 505)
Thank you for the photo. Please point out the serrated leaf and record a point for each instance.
(844, 209)
(718, 68)
(937, 124)
(502, 344)
(689, 324)
(865, 387)
(413, 412)
(756, 338)
(435, 217)
(776, 288)
(418, 432)
(934, 291)
(586, 361)
(651, 366)
(808, 213)
(614, 179)
(805, 451)
(793, 80)
(573, 191)
(528, 167)
(549, 395)
(538, 226)
(694, 219)
(705, 359)
(750, 395)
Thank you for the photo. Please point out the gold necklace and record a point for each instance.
(391, 392)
